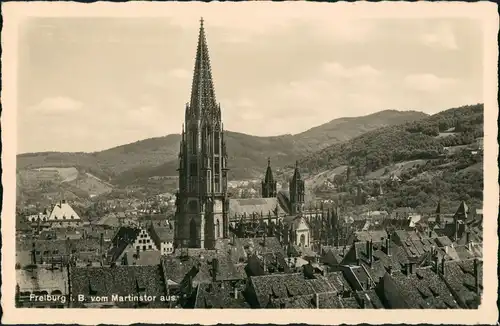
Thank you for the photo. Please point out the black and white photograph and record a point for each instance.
(218, 156)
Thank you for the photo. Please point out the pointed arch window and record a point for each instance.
(218, 229)
(217, 143)
(194, 142)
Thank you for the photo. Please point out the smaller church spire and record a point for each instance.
(269, 185)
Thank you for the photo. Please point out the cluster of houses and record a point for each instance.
(396, 263)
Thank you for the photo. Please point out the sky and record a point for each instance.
(92, 83)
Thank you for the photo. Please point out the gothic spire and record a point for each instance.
(296, 173)
(202, 91)
(269, 172)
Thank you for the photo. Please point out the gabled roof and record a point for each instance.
(63, 211)
(177, 266)
(279, 287)
(460, 277)
(255, 206)
(160, 234)
(218, 296)
(121, 280)
(424, 290)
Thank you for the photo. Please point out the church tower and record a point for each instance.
(269, 185)
(297, 191)
(202, 203)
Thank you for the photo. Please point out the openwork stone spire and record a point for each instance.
(203, 101)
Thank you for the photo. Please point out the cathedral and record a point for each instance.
(203, 210)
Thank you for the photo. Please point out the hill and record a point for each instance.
(436, 157)
(135, 163)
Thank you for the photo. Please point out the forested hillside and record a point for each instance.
(439, 157)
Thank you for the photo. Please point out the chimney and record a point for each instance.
(33, 254)
(215, 269)
(389, 269)
(435, 259)
(467, 236)
(412, 267)
(368, 249)
(363, 303)
(456, 229)
(236, 293)
(476, 275)
(370, 252)
(101, 242)
(388, 245)
(442, 266)
(316, 300)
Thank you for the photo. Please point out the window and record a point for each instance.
(217, 165)
(218, 229)
(217, 143)
(46, 252)
(194, 141)
(55, 252)
(150, 247)
(144, 248)
(193, 169)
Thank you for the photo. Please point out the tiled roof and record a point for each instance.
(460, 277)
(146, 258)
(109, 220)
(279, 286)
(120, 280)
(396, 259)
(160, 234)
(337, 254)
(249, 206)
(370, 299)
(176, 267)
(443, 241)
(63, 247)
(216, 295)
(303, 251)
(371, 235)
(424, 289)
(124, 236)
